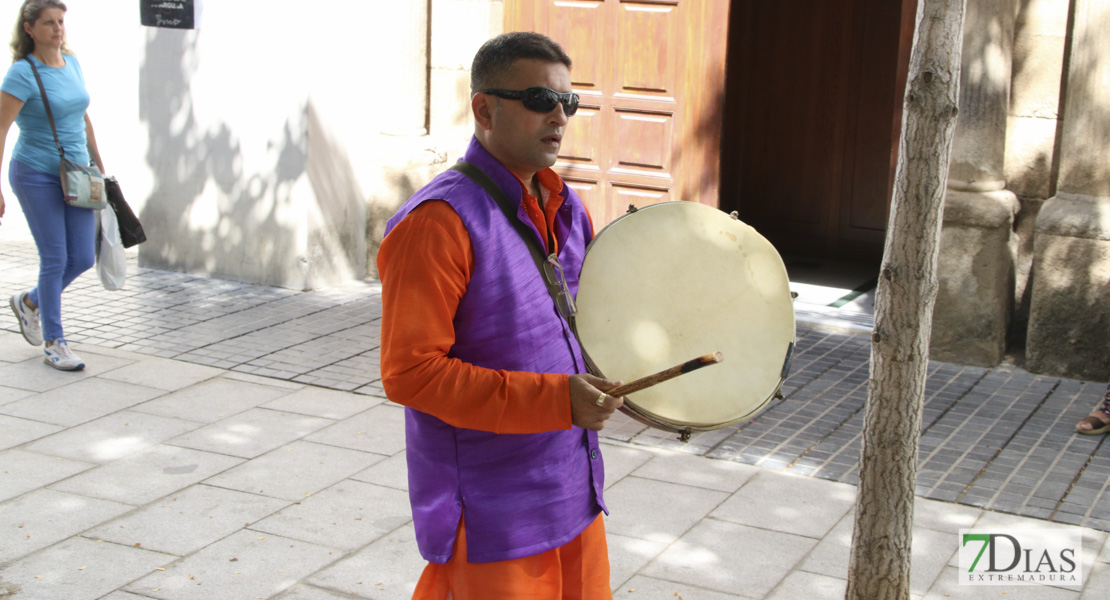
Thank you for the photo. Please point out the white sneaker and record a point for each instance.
(62, 358)
(29, 324)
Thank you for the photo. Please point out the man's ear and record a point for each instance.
(482, 107)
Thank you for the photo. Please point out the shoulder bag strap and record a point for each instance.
(478, 176)
(46, 105)
(483, 180)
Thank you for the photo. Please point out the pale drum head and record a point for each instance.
(678, 280)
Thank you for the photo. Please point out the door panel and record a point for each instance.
(644, 133)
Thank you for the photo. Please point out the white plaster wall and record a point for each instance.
(225, 110)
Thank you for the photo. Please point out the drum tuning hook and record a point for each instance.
(632, 208)
(735, 215)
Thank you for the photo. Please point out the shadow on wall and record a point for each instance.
(398, 184)
(337, 241)
(237, 230)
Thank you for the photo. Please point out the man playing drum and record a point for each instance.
(505, 469)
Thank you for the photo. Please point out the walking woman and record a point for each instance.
(63, 234)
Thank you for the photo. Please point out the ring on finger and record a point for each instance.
(601, 399)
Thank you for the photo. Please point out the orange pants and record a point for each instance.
(577, 570)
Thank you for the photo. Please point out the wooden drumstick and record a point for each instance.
(661, 376)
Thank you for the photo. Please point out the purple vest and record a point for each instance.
(523, 494)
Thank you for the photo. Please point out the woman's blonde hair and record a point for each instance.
(22, 44)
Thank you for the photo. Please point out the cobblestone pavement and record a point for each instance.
(999, 439)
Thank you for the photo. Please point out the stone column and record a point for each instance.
(976, 269)
(1070, 310)
(408, 81)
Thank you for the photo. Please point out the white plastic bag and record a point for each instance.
(111, 259)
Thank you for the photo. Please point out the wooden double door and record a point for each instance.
(787, 111)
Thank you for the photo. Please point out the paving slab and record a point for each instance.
(268, 381)
(13, 348)
(810, 586)
(111, 437)
(317, 467)
(188, 520)
(729, 557)
(79, 401)
(15, 431)
(244, 565)
(148, 475)
(33, 375)
(308, 592)
(788, 503)
(387, 569)
(692, 470)
(252, 432)
(621, 460)
(213, 399)
(392, 472)
(10, 394)
(22, 471)
(380, 429)
(320, 402)
(627, 556)
(347, 515)
(1098, 581)
(943, 516)
(655, 510)
(163, 374)
(43, 517)
(80, 569)
(649, 588)
(124, 596)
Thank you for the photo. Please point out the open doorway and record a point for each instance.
(813, 109)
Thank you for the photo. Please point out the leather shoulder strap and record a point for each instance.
(46, 105)
(479, 176)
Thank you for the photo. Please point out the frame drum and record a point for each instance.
(676, 280)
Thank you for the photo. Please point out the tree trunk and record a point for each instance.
(880, 559)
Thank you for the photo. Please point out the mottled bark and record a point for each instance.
(880, 558)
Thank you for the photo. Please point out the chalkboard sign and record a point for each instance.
(174, 14)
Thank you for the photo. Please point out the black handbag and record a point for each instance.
(130, 229)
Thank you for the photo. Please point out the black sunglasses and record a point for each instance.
(539, 99)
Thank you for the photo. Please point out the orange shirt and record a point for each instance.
(544, 219)
(425, 265)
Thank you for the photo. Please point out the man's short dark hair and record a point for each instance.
(495, 57)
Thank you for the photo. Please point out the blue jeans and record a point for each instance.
(65, 237)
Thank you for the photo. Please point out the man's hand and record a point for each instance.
(585, 411)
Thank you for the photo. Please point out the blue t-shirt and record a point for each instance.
(65, 89)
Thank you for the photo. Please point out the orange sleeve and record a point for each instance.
(425, 264)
